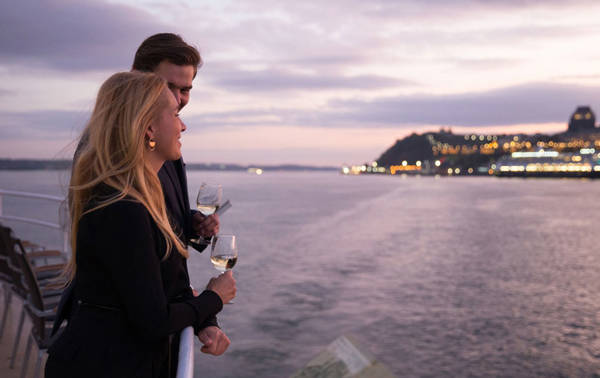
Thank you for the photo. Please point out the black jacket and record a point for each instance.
(122, 316)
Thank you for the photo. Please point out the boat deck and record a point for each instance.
(8, 339)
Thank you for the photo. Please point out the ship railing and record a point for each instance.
(185, 363)
(57, 226)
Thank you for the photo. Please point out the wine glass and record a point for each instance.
(224, 252)
(209, 198)
(207, 202)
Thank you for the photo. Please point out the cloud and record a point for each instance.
(72, 35)
(42, 125)
(407, 10)
(535, 103)
(275, 80)
(522, 104)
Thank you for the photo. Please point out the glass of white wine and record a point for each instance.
(209, 198)
(207, 202)
(224, 252)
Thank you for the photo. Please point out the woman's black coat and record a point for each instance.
(122, 317)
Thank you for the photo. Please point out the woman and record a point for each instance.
(121, 320)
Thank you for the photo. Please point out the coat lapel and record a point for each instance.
(171, 172)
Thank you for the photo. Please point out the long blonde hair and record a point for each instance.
(114, 155)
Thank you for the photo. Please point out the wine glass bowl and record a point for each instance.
(209, 198)
(223, 252)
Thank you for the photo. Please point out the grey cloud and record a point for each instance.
(73, 35)
(44, 124)
(270, 80)
(530, 103)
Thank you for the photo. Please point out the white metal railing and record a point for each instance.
(56, 226)
(185, 363)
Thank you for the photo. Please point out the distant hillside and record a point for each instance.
(473, 150)
(32, 164)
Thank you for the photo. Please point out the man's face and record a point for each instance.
(179, 79)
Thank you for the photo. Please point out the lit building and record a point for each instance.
(582, 120)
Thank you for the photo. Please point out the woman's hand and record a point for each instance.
(224, 286)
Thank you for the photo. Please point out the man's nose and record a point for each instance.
(183, 126)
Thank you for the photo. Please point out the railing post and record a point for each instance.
(1, 198)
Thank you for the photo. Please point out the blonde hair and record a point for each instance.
(114, 155)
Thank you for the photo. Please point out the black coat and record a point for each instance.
(122, 316)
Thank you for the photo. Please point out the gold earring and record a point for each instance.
(152, 144)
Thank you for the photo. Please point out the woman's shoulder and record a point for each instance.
(123, 210)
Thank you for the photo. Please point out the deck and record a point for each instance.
(8, 338)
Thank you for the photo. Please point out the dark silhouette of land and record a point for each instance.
(49, 164)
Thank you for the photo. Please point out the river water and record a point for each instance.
(457, 276)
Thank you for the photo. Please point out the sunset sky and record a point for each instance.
(308, 82)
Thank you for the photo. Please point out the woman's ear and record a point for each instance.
(150, 132)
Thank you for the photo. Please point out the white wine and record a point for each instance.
(207, 209)
(223, 262)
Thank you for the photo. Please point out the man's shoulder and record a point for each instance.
(171, 166)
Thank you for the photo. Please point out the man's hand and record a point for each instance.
(205, 226)
(215, 341)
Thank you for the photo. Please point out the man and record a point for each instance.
(168, 56)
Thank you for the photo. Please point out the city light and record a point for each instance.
(537, 154)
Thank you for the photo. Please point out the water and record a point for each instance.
(435, 277)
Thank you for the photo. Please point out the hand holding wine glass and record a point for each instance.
(224, 286)
(224, 254)
(207, 202)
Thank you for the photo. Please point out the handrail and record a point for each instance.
(46, 197)
(185, 365)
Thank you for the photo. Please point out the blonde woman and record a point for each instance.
(121, 235)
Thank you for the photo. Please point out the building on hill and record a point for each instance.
(582, 120)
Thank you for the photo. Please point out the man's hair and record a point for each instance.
(165, 46)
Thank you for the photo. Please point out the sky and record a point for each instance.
(305, 82)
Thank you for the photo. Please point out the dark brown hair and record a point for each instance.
(165, 46)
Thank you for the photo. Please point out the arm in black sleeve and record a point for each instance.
(211, 321)
(129, 252)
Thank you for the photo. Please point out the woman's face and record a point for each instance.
(167, 128)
